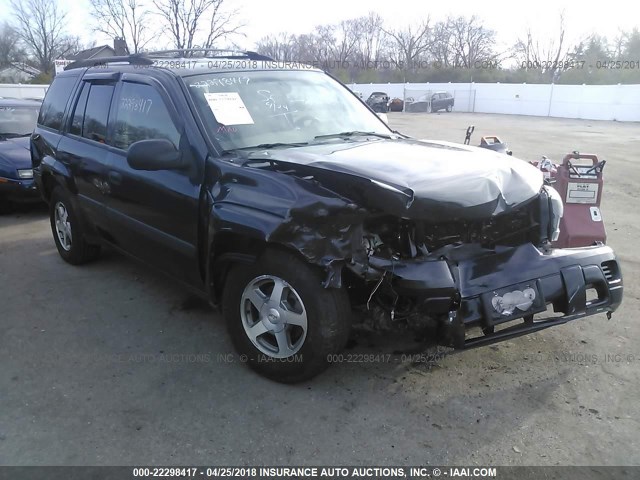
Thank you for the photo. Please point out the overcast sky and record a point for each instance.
(509, 19)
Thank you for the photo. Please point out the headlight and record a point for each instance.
(26, 173)
(557, 210)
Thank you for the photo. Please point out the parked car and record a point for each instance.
(379, 102)
(17, 121)
(431, 103)
(396, 105)
(289, 219)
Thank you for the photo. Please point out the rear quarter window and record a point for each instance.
(52, 110)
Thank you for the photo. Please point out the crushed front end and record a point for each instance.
(466, 283)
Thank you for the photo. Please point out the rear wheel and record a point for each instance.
(281, 319)
(67, 231)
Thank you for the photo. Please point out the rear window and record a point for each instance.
(91, 114)
(55, 101)
(96, 113)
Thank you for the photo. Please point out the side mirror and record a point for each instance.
(154, 154)
(383, 117)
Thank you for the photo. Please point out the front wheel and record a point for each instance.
(449, 108)
(284, 324)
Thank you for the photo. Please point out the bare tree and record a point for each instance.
(10, 50)
(410, 44)
(547, 55)
(222, 24)
(41, 25)
(470, 41)
(280, 47)
(128, 19)
(370, 38)
(442, 47)
(345, 35)
(197, 23)
(631, 46)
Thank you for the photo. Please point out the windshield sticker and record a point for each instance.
(228, 108)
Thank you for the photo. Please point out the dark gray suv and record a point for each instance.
(275, 193)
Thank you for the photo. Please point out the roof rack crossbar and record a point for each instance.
(146, 58)
(135, 59)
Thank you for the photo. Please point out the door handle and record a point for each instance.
(115, 177)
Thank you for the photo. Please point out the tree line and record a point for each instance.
(456, 49)
(363, 49)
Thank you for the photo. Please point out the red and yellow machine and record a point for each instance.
(579, 181)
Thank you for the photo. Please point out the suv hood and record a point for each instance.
(435, 181)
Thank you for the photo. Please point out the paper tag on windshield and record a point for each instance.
(228, 108)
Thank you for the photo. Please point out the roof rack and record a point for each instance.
(145, 58)
(135, 59)
(210, 53)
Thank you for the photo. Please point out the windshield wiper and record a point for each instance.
(266, 146)
(355, 133)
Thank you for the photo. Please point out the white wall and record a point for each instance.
(22, 91)
(595, 102)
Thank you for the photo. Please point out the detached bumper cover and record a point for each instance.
(575, 282)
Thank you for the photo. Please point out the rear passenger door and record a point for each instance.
(153, 214)
(84, 147)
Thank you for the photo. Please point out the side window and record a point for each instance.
(55, 101)
(78, 113)
(96, 114)
(142, 114)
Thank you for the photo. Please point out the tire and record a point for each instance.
(449, 108)
(68, 233)
(320, 317)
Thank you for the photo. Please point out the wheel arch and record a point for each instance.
(55, 174)
(231, 248)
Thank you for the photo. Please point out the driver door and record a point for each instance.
(153, 214)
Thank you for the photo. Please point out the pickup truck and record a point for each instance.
(281, 197)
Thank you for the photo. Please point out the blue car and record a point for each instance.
(17, 120)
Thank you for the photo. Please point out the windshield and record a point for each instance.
(17, 121)
(273, 108)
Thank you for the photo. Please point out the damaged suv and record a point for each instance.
(279, 195)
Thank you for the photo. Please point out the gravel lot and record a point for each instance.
(113, 364)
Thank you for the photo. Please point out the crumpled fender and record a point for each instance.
(286, 210)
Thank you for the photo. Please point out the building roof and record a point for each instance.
(92, 53)
(21, 67)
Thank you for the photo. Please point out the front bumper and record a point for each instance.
(19, 191)
(465, 283)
